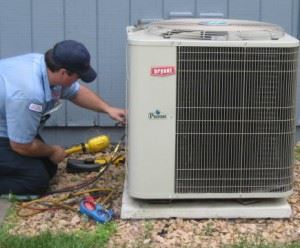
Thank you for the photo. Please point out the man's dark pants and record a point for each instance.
(23, 175)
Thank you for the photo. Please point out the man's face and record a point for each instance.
(67, 78)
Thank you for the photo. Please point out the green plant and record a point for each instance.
(81, 239)
(246, 243)
(140, 242)
(208, 229)
(297, 152)
(148, 227)
(259, 242)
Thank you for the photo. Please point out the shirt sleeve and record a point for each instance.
(23, 119)
(70, 92)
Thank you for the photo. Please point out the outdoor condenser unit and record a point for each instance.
(211, 109)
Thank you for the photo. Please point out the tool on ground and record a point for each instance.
(93, 145)
(53, 203)
(66, 201)
(95, 211)
(90, 164)
(79, 165)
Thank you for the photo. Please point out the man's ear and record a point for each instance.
(63, 71)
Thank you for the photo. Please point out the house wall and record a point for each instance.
(35, 25)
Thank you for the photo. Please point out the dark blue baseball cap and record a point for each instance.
(74, 56)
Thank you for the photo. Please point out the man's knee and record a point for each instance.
(32, 182)
(38, 184)
(24, 185)
(24, 175)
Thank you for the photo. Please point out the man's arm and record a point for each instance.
(37, 148)
(88, 99)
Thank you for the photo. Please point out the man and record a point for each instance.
(30, 86)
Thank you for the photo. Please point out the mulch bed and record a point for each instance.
(167, 232)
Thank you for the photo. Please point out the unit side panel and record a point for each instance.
(151, 133)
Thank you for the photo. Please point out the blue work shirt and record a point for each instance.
(25, 95)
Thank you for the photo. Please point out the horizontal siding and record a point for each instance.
(35, 25)
(212, 8)
(81, 24)
(244, 9)
(113, 17)
(282, 13)
(15, 27)
(46, 31)
(179, 9)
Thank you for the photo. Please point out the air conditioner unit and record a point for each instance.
(211, 109)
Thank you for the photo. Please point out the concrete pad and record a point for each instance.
(203, 209)
(4, 205)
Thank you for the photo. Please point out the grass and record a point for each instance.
(263, 244)
(251, 241)
(297, 152)
(208, 229)
(139, 243)
(79, 239)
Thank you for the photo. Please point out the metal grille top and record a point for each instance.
(215, 29)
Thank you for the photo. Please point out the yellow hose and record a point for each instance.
(93, 145)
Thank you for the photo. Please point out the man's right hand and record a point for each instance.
(58, 154)
(37, 148)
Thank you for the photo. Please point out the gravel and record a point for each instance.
(173, 232)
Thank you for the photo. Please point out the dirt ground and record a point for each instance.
(165, 232)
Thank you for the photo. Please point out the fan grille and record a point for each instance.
(235, 119)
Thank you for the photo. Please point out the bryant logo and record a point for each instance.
(162, 71)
